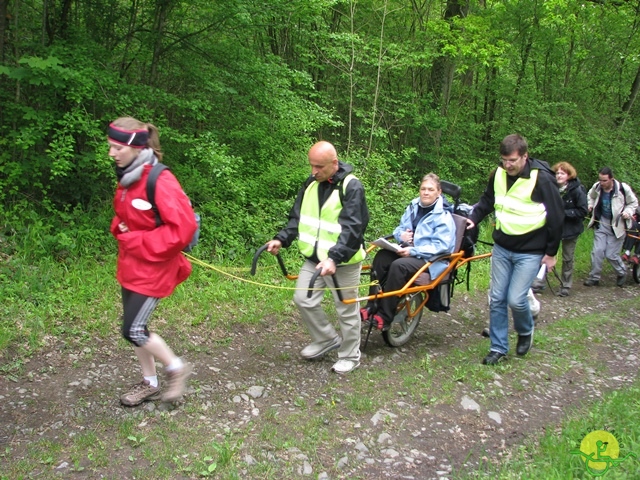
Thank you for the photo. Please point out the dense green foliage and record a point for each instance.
(240, 89)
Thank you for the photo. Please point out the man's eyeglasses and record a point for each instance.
(507, 161)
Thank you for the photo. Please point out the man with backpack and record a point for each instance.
(612, 204)
(529, 215)
(329, 218)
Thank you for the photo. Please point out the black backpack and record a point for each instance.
(157, 169)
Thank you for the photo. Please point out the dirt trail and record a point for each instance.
(69, 389)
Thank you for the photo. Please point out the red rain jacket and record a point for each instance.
(150, 260)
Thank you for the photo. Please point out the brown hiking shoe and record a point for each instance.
(177, 381)
(140, 392)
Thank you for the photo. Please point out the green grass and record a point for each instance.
(550, 456)
(81, 300)
(150, 445)
(150, 440)
(54, 298)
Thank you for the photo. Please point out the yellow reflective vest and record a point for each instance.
(516, 213)
(318, 227)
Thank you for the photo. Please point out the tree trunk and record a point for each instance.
(489, 107)
(133, 19)
(3, 26)
(352, 63)
(567, 72)
(163, 7)
(628, 105)
(64, 18)
(443, 68)
(376, 94)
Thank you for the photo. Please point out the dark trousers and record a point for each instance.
(630, 243)
(137, 309)
(392, 271)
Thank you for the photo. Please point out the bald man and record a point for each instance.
(329, 218)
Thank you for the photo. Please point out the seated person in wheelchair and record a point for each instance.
(426, 229)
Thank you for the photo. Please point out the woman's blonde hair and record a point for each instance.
(130, 123)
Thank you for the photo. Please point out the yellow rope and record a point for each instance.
(197, 261)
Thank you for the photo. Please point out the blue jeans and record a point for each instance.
(511, 277)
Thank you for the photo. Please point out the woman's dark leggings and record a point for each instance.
(137, 310)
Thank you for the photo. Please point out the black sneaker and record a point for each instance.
(621, 280)
(564, 292)
(590, 282)
(494, 358)
(524, 344)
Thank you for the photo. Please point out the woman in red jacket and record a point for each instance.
(150, 262)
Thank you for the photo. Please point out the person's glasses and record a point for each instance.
(507, 161)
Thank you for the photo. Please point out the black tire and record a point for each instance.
(402, 327)
(636, 275)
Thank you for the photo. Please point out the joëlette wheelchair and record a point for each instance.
(419, 288)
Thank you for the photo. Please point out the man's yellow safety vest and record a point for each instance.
(516, 213)
(319, 228)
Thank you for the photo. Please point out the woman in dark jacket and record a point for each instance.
(574, 197)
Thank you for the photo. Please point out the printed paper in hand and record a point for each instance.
(383, 243)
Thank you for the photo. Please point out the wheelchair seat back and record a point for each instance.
(452, 190)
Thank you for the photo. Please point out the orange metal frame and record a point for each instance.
(455, 262)
(633, 236)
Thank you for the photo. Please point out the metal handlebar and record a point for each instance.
(254, 263)
(312, 282)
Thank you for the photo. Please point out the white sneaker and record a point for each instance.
(318, 349)
(345, 366)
